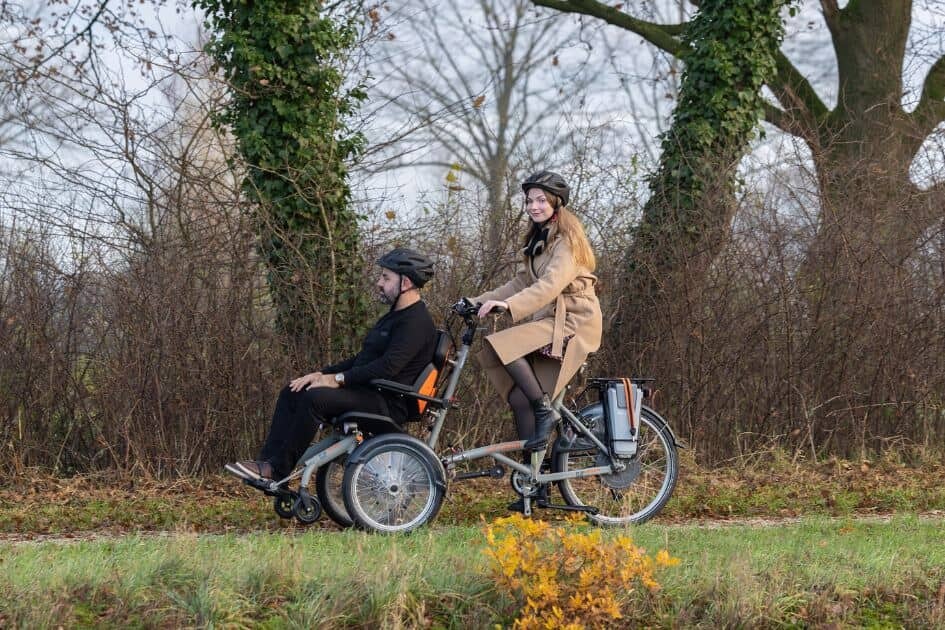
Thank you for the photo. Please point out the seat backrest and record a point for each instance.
(435, 371)
(442, 350)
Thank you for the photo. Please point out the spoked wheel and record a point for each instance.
(635, 494)
(328, 482)
(393, 483)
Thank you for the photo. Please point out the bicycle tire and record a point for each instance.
(393, 483)
(651, 488)
(329, 479)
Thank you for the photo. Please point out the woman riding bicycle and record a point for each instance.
(531, 362)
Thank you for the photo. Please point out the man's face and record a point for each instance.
(388, 286)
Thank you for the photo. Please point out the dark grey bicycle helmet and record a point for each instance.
(409, 263)
(549, 182)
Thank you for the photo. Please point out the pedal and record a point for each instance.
(496, 472)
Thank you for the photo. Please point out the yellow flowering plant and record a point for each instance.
(570, 577)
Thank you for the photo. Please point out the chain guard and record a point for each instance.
(622, 479)
(572, 442)
(523, 485)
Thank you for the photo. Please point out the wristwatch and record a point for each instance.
(340, 378)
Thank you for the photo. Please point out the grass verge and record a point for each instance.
(37, 503)
(816, 572)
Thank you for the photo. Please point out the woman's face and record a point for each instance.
(538, 205)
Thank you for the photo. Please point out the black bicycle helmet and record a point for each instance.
(409, 263)
(550, 183)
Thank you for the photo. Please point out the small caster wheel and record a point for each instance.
(307, 516)
(284, 505)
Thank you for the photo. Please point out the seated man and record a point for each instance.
(398, 348)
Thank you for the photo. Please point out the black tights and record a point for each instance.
(527, 389)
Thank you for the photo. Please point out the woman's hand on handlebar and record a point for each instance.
(496, 306)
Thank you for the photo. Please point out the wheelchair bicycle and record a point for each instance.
(370, 473)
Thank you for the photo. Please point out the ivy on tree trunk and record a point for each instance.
(729, 49)
(287, 110)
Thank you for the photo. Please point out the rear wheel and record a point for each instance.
(328, 482)
(393, 483)
(634, 494)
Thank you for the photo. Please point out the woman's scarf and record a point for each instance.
(539, 240)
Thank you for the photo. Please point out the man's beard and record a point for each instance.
(386, 299)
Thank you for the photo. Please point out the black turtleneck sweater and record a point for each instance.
(397, 349)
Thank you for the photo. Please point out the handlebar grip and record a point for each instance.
(464, 307)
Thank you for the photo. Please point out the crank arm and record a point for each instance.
(587, 509)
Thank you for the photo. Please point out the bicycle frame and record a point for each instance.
(346, 439)
(498, 451)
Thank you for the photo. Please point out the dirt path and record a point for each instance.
(711, 523)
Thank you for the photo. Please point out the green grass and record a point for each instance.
(851, 573)
(38, 503)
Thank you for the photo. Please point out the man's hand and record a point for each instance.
(305, 382)
(326, 380)
(315, 379)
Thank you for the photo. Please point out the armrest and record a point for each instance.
(403, 390)
(393, 386)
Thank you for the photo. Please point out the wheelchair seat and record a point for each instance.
(371, 423)
(423, 390)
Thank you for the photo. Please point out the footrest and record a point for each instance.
(264, 485)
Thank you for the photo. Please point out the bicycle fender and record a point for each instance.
(364, 449)
(672, 433)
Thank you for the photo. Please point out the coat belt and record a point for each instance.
(557, 336)
(561, 311)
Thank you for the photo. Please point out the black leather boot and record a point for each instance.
(545, 420)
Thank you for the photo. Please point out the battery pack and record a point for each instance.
(622, 401)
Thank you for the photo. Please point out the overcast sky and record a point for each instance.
(631, 94)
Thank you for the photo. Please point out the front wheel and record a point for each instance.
(635, 494)
(328, 481)
(393, 483)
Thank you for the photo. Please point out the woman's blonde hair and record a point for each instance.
(571, 228)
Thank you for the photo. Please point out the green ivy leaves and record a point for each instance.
(287, 109)
(730, 53)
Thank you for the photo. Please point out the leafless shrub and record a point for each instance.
(766, 352)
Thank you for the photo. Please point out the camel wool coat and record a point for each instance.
(557, 297)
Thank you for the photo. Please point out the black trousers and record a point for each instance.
(296, 418)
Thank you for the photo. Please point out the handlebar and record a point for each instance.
(465, 308)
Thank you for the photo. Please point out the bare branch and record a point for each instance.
(663, 36)
(831, 9)
(76, 36)
(931, 109)
(783, 120)
(795, 93)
